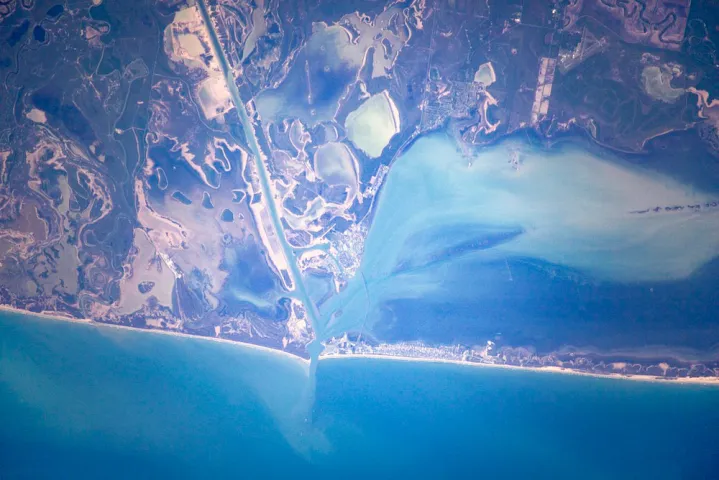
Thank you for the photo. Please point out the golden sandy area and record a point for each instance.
(550, 369)
(643, 378)
(55, 316)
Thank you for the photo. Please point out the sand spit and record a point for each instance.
(567, 371)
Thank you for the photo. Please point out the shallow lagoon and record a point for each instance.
(373, 124)
(324, 68)
(515, 239)
(83, 402)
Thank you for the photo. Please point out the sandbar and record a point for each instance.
(549, 369)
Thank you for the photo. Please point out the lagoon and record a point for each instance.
(534, 246)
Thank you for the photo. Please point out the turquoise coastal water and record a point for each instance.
(87, 402)
(531, 245)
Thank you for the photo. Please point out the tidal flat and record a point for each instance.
(466, 247)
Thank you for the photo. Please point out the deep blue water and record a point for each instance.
(89, 402)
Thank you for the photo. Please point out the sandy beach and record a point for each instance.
(555, 370)
(85, 321)
(551, 369)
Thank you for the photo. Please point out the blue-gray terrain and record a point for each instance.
(529, 183)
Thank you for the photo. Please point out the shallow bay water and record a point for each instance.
(87, 402)
(534, 246)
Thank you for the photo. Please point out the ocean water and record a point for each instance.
(78, 401)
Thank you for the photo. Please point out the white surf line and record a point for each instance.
(550, 369)
(58, 317)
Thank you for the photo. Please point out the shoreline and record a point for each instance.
(708, 381)
(86, 321)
